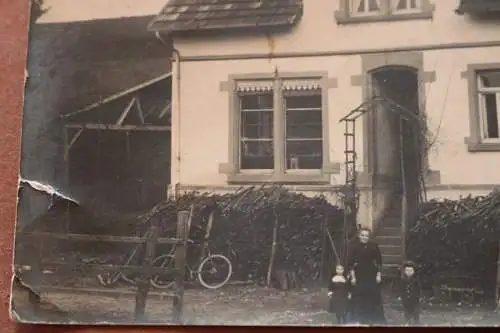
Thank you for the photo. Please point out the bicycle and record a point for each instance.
(109, 279)
(209, 263)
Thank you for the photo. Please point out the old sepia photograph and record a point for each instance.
(260, 163)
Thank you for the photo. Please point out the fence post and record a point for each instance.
(180, 264)
(145, 274)
(272, 258)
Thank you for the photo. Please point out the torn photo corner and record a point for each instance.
(260, 163)
(45, 188)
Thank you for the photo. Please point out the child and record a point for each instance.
(339, 294)
(410, 294)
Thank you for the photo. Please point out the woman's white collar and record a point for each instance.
(338, 278)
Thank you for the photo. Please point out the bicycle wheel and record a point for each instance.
(214, 271)
(163, 280)
(128, 279)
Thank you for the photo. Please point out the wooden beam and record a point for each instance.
(140, 111)
(118, 95)
(115, 292)
(66, 145)
(126, 111)
(110, 268)
(165, 110)
(146, 273)
(180, 264)
(75, 137)
(114, 127)
(98, 238)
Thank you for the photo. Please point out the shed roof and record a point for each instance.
(197, 15)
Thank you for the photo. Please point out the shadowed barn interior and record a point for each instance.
(79, 66)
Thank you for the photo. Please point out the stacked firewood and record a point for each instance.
(245, 220)
(459, 236)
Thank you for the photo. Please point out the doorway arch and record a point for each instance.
(397, 152)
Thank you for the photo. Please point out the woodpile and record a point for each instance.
(458, 236)
(250, 221)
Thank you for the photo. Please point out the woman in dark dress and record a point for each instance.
(365, 264)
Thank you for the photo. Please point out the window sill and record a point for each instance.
(476, 147)
(304, 179)
(342, 18)
(298, 177)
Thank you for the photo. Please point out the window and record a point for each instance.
(484, 107)
(405, 6)
(304, 130)
(256, 137)
(364, 7)
(356, 11)
(277, 128)
(302, 137)
(488, 84)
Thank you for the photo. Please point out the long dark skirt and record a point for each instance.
(367, 301)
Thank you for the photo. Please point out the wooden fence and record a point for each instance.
(33, 273)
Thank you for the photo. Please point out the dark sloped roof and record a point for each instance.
(195, 15)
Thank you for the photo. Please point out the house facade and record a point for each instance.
(259, 89)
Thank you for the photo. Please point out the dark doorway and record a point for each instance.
(120, 172)
(397, 149)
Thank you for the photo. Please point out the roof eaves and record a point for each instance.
(189, 20)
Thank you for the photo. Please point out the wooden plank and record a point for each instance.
(99, 238)
(140, 111)
(118, 95)
(107, 292)
(207, 236)
(126, 111)
(270, 268)
(165, 110)
(180, 264)
(146, 273)
(456, 289)
(125, 269)
(114, 127)
(71, 142)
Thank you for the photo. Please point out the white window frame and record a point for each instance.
(395, 11)
(284, 111)
(354, 13)
(387, 12)
(279, 174)
(482, 91)
(386, 7)
(279, 138)
(241, 139)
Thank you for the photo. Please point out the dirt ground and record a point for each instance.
(251, 306)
